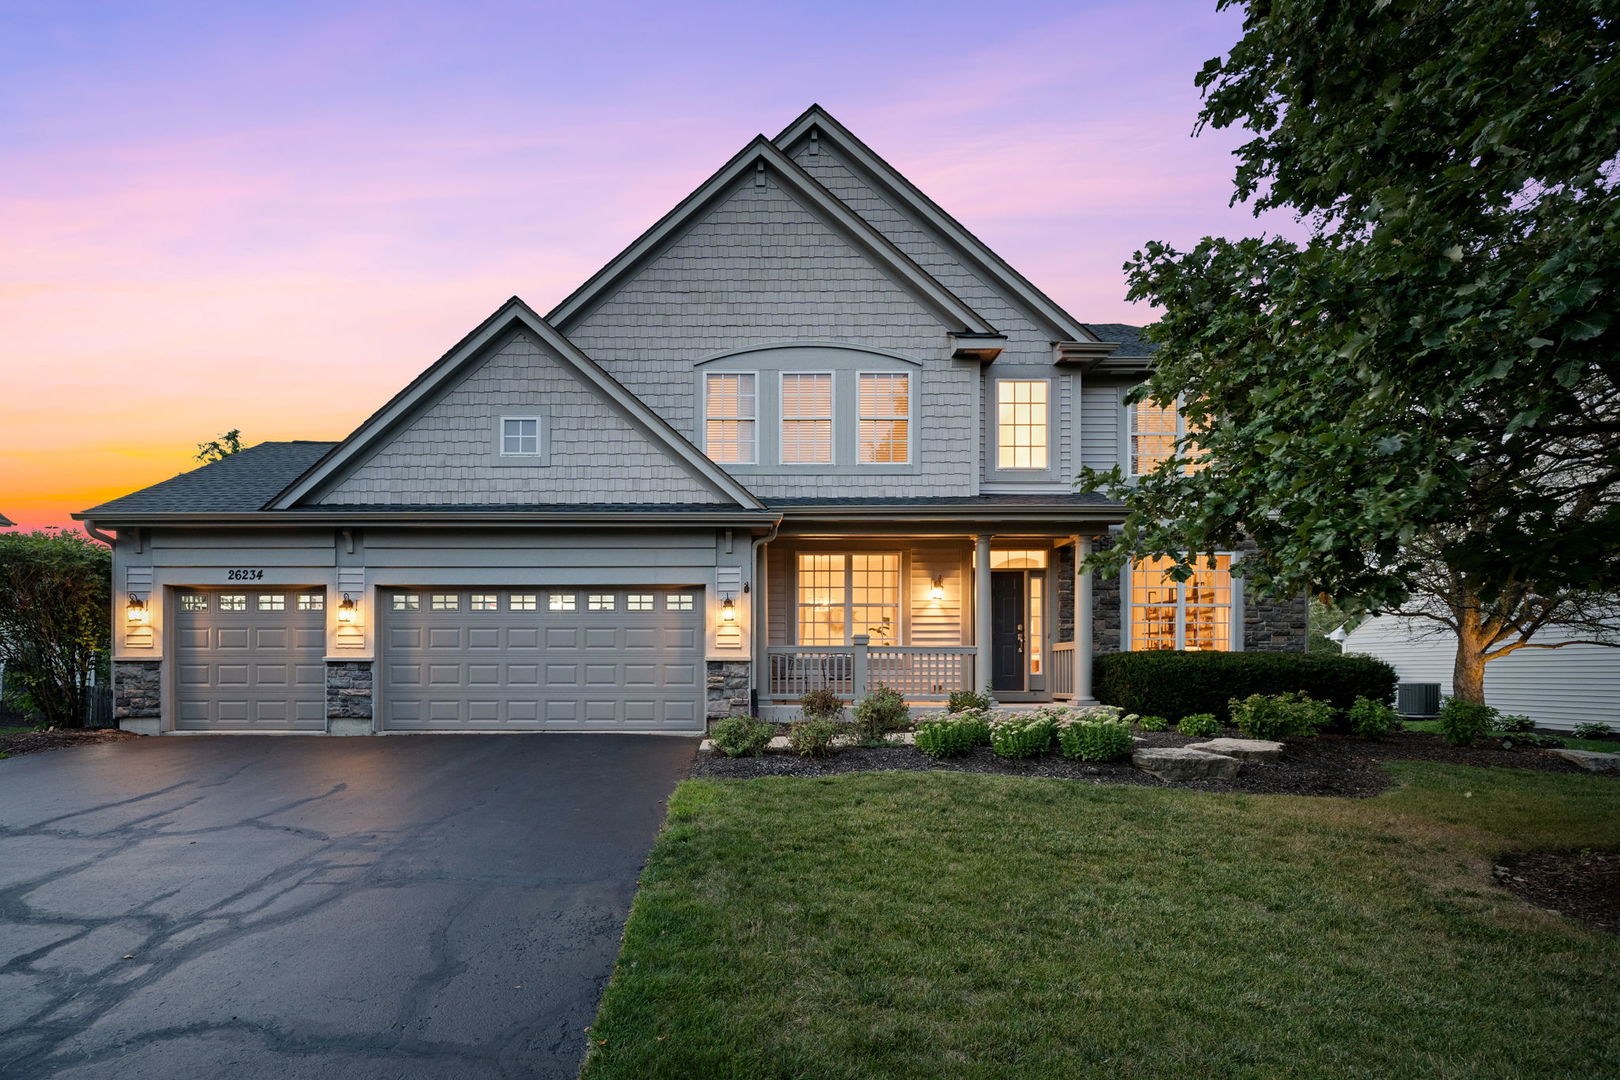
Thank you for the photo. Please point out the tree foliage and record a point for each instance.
(55, 603)
(218, 449)
(1432, 378)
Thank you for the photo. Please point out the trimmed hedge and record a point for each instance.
(1177, 684)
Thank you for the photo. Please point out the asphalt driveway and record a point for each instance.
(252, 906)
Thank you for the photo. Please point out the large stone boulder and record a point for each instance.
(1185, 763)
(1242, 749)
(1591, 761)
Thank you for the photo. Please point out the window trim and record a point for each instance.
(706, 376)
(911, 419)
(1049, 427)
(540, 437)
(782, 419)
(1234, 633)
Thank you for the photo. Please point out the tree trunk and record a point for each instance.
(1468, 670)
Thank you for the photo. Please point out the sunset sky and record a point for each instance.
(271, 216)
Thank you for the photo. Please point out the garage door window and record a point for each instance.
(639, 602)
(485, 601)
(678, 602)
(523, 602)
(193, 602)
(601, 602)
(311, 602)
(272, 602)
(232, 602)
(407, 602)
(561, 602)
(446, 601)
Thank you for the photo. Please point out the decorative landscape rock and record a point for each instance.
(1242, 749)
(1591, 760)
(1185, 763)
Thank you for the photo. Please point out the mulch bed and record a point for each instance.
(1329, 765)
(1583, 885)
(32, 742)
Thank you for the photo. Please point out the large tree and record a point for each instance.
(1430, 382)
(55, 606)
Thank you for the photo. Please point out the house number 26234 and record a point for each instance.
(244, 575)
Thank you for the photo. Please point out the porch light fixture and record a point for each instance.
(728, 610)
(936, 593)
(136, 613)
(346, 610)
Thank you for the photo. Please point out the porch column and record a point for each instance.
(1082, 621)
(981, 610)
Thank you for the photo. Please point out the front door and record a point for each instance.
(1007, 630)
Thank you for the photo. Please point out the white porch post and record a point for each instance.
(981, 610)
(1082, 621)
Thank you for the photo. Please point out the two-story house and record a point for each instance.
(806, 431)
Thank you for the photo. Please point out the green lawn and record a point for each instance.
(1602, 746)
(953, 925)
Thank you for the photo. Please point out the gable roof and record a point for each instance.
(1132, 345)
(514, 314)
(237, 482)
(761, 153)
(817, 119)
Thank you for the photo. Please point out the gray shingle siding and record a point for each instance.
(447, 453)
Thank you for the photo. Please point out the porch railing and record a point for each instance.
(1063, 669)
(918, 672)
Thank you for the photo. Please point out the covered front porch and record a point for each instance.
(927, 615)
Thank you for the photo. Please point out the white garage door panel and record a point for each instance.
(250, 659)
(551, 659)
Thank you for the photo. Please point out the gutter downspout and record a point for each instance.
(97, 534)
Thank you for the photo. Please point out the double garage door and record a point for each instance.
(554, 659)
(449, 659)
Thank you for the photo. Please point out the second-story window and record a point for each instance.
(520, 436)
(1154, 431)
(729, 405)
(807, 418)
(885, 420)
(1021, 423)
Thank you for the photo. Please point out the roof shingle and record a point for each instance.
(245, 480)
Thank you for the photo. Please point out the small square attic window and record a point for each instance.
(521, 436)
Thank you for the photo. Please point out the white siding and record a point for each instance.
(1557, 688)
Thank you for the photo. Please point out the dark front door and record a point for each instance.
(1007, 630)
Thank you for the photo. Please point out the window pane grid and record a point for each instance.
(639, 602)
(406, 602)
(561, 602)
(233, 602)
(1195, 615)
(1021, 415)
(729, 410)
(485, 602)
(843, 595)
(601, 602)
(520, 435)
(885, 425)
(522, 602)
(193, 602)
(445, 601)
(311, 602)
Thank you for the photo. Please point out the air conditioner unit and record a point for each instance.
(1418, 699)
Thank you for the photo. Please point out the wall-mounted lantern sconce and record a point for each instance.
(346, 610)
(136, 613)
(728, 610)
(937, 592)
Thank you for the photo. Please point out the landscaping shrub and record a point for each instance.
(881, 711)
(1461, 722)
(1152, 723)
(1511, 739)
(1514, 722)
(1279, 716)
(742, 736)
(822, 705)
(1095, 740)
(1178, 684)
(948, 736)
(1200, 725)
(813, 737)
(1371, 719)
(963, 700)
(1021, 735)
(976, 722)
(1592, 729)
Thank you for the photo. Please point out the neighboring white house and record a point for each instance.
(1557, 688)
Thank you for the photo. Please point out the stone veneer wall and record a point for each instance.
(728, 688)
(137, 689)
(348, 690)
(1272, 624)
(1107, 626)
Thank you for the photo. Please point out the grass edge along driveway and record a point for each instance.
(938, 924)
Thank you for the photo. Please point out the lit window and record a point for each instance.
(406, 602)
(561, 602)
(520, 436)
(523, 602)
(885, 421)
(1195, 614)
(1037, 621)
(678, 602)
(446, 601)
(232, 602)
(272, 602)
(600, 602)
(1021, 422)
(193, 602)
(1154, 431)
(729, 413)
(1029, 559)
(485, 601)
(807, 409)
(637, 601)
(843, 595)
(311, 602)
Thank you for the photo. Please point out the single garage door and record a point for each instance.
(564, 660)
(250, 659)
